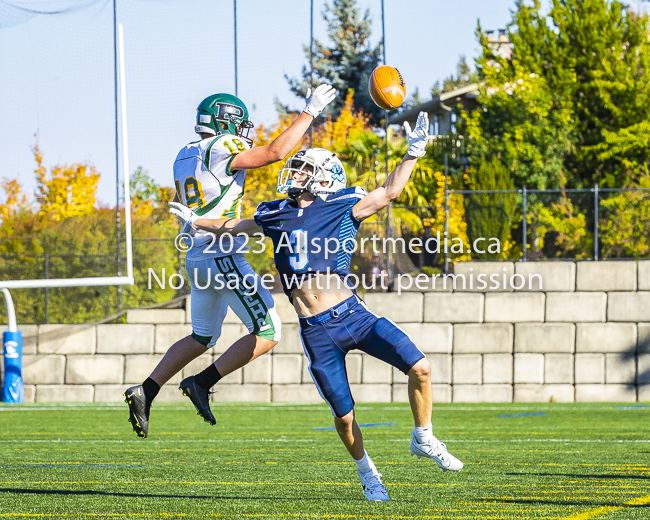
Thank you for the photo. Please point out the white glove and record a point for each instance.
(419, 137)
(316, 102)
(183, 212)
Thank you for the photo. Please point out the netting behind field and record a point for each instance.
(57, 88)
(57, 105)
(59, 96)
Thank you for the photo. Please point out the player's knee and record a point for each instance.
(268, 345)
(263, 345)
(421, 370)
(206, 341)
(345, 422)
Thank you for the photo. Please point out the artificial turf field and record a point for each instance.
(551, 461)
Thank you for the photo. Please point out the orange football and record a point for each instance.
(386, 87)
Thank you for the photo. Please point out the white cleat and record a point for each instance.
(374, 490)
(437, 452)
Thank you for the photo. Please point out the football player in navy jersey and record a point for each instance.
(313, 232)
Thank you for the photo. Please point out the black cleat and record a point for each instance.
(138, 410)
(200, 398)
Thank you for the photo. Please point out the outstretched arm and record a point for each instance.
(394, 185)
(287, 140)
(218, 226)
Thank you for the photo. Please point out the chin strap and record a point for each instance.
(293, 193)
(248, 141)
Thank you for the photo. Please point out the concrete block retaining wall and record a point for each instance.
(585, 336)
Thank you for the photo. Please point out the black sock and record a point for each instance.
(151, 389)
(208, 378)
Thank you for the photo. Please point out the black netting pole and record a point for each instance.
(595, 221)
(525, 238)
(235, 26)
(311, 62)
(47, 290)
(389, 209)
(446, 215)
(178, 251)
(383, 31)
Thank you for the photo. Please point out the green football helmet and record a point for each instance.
(222, 114)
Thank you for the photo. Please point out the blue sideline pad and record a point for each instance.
(635, 407)
(524, 414)
(361, 425)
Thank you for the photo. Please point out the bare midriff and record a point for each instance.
(318, 293)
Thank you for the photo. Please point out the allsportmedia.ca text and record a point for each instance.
(299, 241)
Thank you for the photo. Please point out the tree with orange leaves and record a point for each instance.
(70, 190)
(333, 134)
(78, 238)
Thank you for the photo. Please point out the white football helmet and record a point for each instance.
(324, 170)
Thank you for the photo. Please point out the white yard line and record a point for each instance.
(198, 441)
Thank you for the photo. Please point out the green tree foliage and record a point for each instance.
(607, 49)
(625, 223)
(84, 246)
(347, 62)
(520, 125)
(574, 98)
(66, 231)
(557, 229)
(490, 215)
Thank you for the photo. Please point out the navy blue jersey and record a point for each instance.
(316, 239)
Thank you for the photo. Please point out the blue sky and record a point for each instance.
(57, 70)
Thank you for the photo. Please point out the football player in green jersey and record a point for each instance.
(209, 177)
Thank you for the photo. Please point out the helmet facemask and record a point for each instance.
(318, 181)
(240, 128)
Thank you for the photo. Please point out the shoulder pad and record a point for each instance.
(270, 206)
(236, 147)
(190, 149)
(353, 194)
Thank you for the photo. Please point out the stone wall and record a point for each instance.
(585, 336)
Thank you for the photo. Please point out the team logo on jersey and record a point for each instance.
(337, 173)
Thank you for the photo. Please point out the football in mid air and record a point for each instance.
(386, 87)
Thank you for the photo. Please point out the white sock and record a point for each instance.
(424, 434)
(365, 464)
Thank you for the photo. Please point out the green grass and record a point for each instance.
(267, 461)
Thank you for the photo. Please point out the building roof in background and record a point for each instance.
(436, 105)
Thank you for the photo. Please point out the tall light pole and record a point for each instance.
(235, 26)
(311, 62)
(389, 210)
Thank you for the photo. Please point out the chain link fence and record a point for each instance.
(531, 225)
(506, 225)
(86, 304)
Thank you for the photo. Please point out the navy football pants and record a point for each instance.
(329, 336)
